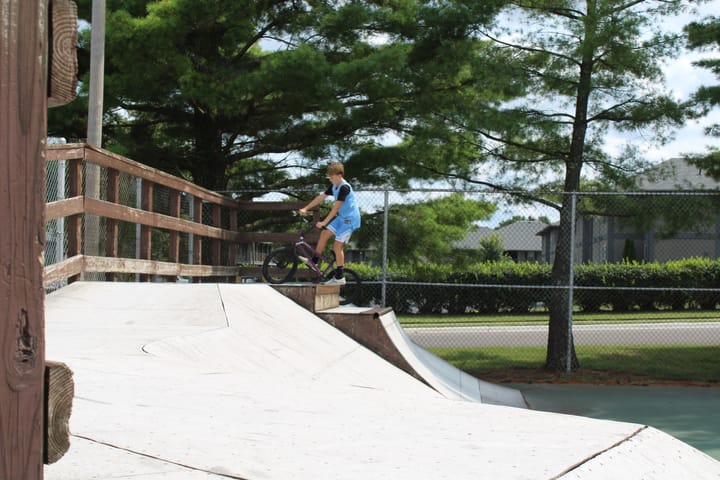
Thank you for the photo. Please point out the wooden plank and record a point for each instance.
(102, 208)
(64, 208)
(68, 151)
(68, 268)
(23, 109)
(108, 159)
(153, 267)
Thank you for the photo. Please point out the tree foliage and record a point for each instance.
(706, 35)
(240, 93)
(492, 248)
(424, 231)
(583, 68)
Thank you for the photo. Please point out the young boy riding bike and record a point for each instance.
(342, 220)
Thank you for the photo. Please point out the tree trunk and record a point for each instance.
(209, 165)
(561, 354)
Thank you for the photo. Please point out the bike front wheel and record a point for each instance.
(350, 292)
(280, 265)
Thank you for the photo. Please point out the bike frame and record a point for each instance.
(281, 265)
(302, 247)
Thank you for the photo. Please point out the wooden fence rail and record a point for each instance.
(221, 240)
(75, 205)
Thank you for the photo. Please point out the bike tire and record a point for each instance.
(280, 265)
(350, 292)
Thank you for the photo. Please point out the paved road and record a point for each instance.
(628, 334)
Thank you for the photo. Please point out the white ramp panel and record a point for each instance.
(450, 381)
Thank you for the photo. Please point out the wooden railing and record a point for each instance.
(76, 205)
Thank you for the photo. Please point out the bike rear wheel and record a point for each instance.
(280, 265)
(350, 292)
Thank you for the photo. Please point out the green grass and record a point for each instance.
(541, 318)
(631, 364)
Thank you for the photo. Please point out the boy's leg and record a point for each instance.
(339, 250)
(342, 231)
(322, 241)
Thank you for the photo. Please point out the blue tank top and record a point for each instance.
(349, 209)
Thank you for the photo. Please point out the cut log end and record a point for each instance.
(59, 393)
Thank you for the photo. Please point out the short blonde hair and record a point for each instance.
(336, 168)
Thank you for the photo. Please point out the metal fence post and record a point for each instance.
(385, 247)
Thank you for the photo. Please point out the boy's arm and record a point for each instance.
(314, 203)
(333, 211)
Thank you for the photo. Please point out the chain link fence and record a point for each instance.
(470, 273)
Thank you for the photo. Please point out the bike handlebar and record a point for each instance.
(305, 219)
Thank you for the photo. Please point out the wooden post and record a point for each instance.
(216, 242)
(232, 249)
(23, 127)
(146, 230)
(174, 243)
(111, 225)
(74, 222)
(197, 239)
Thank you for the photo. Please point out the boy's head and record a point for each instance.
(336, 168)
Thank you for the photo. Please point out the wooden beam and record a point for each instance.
(108, 159)
(154, 267)
(69, 268)
(23, 128)
(147, 190)
(64, 208)
(105, 209)
(59, 393)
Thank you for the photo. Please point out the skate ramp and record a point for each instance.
(237, 381)
(379, 330)
(447, 379)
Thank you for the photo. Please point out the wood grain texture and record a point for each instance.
(23, 126)
(59, 393)
(62, 51)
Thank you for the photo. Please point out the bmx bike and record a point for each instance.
(283, 265)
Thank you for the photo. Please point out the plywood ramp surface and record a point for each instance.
(236, 381)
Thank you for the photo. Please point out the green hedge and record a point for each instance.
(497, 287)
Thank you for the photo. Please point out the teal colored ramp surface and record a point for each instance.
(691, 414)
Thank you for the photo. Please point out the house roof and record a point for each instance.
(517, 236)
(472, 239)
(676, 174)
(522, 235)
